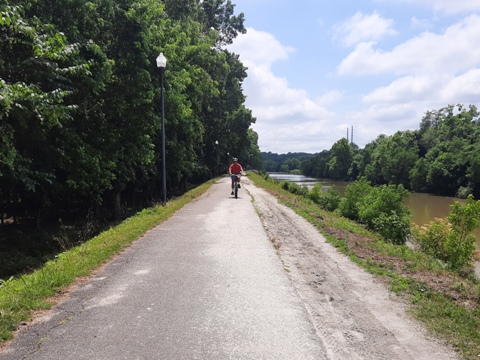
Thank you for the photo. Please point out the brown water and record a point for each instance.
(424, 207)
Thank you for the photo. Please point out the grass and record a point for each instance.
(446, 303)
(20, 296)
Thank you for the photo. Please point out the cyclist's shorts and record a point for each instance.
(234, 177)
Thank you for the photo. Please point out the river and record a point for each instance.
(423, 207)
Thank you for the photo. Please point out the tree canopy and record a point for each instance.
(441, 157)
(80, 101)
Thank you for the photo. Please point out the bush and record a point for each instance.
(431, 238)
(382, 210)
(460, 243)
(354, 194)
(330, 200)
(451, 240)
(294, 188)
(315, 193)
(393, 227)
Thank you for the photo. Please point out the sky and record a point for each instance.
(320, 70)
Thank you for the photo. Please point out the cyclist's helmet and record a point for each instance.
(235, 159)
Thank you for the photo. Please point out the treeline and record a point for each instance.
(441, 157)
(80, 108)
(288, 163)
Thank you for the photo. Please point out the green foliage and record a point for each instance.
(284, 162)
(315, 193)
(295, 188)
(451, 240)
(80, 101)
(461, 242)
(382, 210)
(328, 200)
(440, 158)
(393, 227)
(351, 203)
(448, 139)
(340, 160)
(391, 158)
(431, 238)
(285, 185)
(316, 165)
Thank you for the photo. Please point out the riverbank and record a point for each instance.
(447, 304)
(424, 207)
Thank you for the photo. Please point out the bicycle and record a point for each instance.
(236, 184)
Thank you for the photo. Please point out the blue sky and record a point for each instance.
(317, 68)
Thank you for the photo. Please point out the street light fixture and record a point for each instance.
(162, 64)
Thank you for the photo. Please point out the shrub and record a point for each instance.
(295, 188)
(460, 243)
(285, 185)
(315, 193)
(330, 200)
(451, 240)
(431, 238)
(393, 227)
(354, 194)
(382, 210)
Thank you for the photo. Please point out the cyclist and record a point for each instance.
(234, 170)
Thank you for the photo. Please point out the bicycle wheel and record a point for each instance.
(236, 189)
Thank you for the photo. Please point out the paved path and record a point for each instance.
(206, 284)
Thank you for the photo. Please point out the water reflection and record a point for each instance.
(310, 182)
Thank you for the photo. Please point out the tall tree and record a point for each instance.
(340, 160)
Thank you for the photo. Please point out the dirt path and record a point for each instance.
(355, 316)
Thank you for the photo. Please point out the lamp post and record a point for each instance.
(162, 64)
(228, 160)
(216, 157)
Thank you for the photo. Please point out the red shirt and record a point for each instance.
(235, 168)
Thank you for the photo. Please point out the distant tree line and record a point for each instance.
(80, 102)
(441, 157)
(288, 163)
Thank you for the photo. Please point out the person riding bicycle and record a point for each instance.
(234, 170)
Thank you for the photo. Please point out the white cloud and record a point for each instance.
(382, 119)
(429, 71)
(447, 6)
(465, 87)
(360, 28)
(435, 90)
(269, 51)
(407, 89)
(402, 104)
(284, 115)
(417, 23)
(330, 97)
(456, 50)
